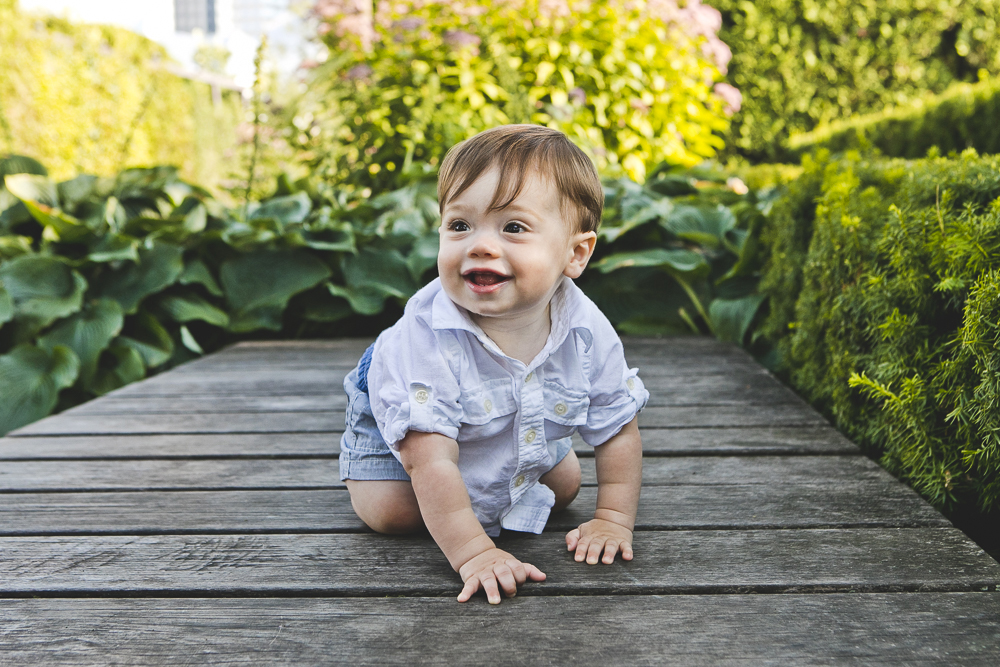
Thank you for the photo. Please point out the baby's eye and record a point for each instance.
(458, 226)
(513, 228)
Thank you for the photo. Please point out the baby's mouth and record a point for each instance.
(484, 281)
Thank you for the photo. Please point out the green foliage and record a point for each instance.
(96, 99)
(103, 280)
(631, 88)
(884, 302)
(801, 63)
(952, 121)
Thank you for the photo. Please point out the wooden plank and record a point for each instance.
(886, 560)
(655, 442)
(70, 423)
(169, 446)
(179, 405)
(778, 505)
(315, 473)
(696, 630)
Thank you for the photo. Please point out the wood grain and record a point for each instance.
(688, 562)
(740, 506)
(929, 629)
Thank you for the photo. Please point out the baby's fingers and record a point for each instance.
(471, 586)
(491, 590)
(507, 580)
(572, 539)
(533, 572)
(610, 549)
(594, 551)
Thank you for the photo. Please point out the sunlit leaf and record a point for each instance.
(30, 187)
(115, 247)
(192, 307)
(290, 209)
(187, 338)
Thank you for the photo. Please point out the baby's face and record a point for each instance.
(508, 263)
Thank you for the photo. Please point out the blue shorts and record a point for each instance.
(363, 453)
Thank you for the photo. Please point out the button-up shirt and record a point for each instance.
(436, 371)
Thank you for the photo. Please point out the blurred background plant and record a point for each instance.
(634, 84)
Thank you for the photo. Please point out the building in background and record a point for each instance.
(183, 26)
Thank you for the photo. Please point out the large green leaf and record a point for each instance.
(76, 190)
(195, 272)
(21, 164)
(144, 334)
(31, 187)
(363, 300)
(12, 245)
(654, 210)
(731, 318)
(423, 255)
(115, 247)
(328, 237)
(372, 276)
(258, 285)
(87, 333)
(41, 197)
(290, 209)
(6, 305)
(30, 381)
(42, 288)
(120, 365)
(158, 268)
(676, 262)
(700, 224)
(184, 308)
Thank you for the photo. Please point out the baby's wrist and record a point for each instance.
(479, 544)
(622, 519)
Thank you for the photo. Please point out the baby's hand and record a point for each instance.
(596, 535)
(492, 567)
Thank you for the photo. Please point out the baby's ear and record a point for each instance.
(582, 248)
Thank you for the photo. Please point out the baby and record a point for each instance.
(460, 414)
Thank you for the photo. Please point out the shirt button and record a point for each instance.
(529, 437)
(630, 383)
(561, 409)
(519, 481)
(530, 375)
(421, 395)
(488, 405)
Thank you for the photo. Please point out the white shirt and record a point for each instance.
(436, 371)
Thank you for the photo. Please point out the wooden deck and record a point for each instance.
(198, 517)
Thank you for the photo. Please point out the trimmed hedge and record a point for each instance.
(884, 286)
(801, 63)
(950, 122)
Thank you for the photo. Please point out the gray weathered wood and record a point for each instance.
(256, 473)
(928, 629)
(71, 423)
(925, 559)
(777, 505)
(265, 445)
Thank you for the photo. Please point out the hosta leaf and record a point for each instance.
(187, 338)
(30, 381)
(196, 219)
(12, 246)
(144, 334)
(258, 285)
(193, 307)
(30, 187)
(59, 226)
(423, 255)
(683, 262)
(143, 182)
(87, 333)
(731, 318)
(329, 238)
(195, 272)
(119, 365)
(43, 288)
(115, 247)
(158, 268)
(76, 190)
(6, 305)
(363, 300)
(21, 164)
(382, 270)
(700, 224)
(290, 209)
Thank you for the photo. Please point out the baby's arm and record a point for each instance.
(431, 461)
(619, 479)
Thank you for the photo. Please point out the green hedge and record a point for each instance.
(103, 280)
(800, 63)
(883, 279)
(951, 122)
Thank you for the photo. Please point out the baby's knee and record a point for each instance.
(387, 507)
(564, 480)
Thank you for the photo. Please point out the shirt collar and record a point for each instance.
(567, 313)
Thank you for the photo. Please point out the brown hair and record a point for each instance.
(515, 151)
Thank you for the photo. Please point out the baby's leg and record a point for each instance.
(386, 506)
(564, 480)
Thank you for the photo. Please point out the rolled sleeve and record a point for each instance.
(616, 393)
(411, 385)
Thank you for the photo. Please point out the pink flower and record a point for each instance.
(731, 96)
(460, 38)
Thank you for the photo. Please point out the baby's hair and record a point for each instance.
(515, 151)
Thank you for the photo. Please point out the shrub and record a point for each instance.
(95, 99)
(883, 284)
(950, 122)
(800, 63)
(629, 82)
